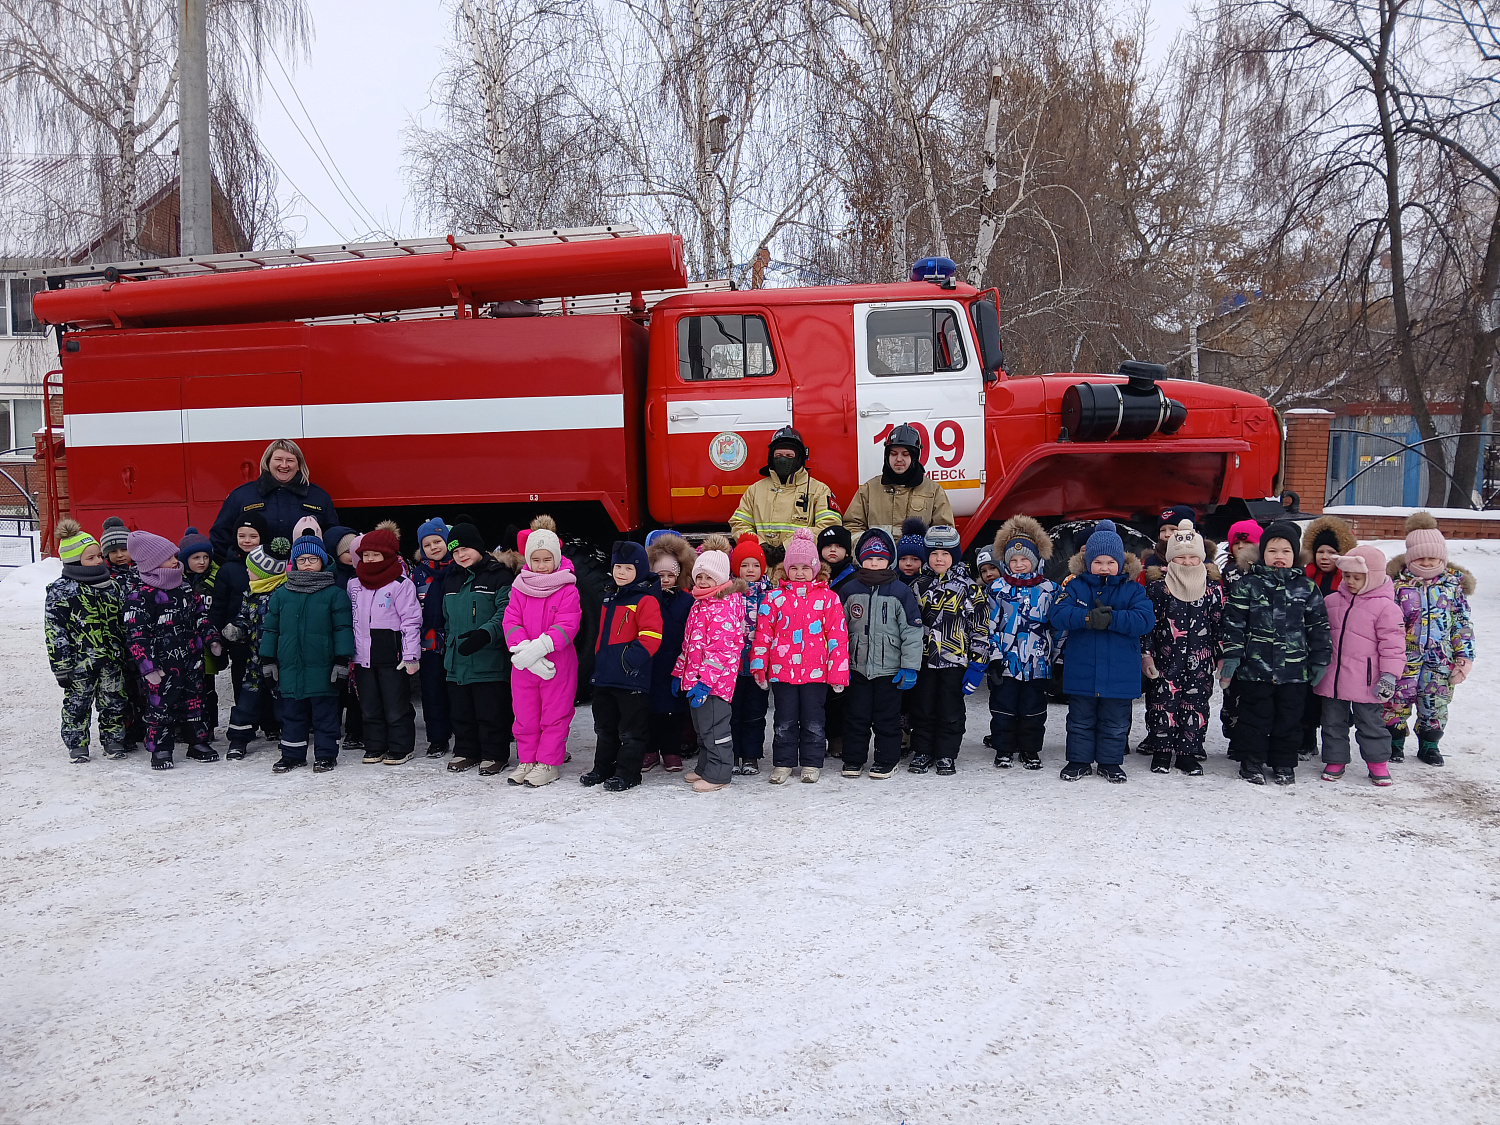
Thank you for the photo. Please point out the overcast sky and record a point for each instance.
(371, 72)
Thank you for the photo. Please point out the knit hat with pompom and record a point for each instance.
(801, 550)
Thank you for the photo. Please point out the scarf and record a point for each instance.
(1035, 578)
(1426, 573)
(163, 577)
(1186, 583)
(88, 575)
(876, 577)
(535, 585)
(909, 479)
(267, 584)
(372, 576)
(309, 581)
(711, 591)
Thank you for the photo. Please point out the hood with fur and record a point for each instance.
(1346, 540)
(680, 549)
(1026, 528)
(1131, 569)
(1398, 564)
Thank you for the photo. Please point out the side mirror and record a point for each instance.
(987, 327)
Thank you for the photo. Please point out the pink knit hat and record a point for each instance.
(1244, 531)
(715, 564)
(1423, 539)
(802, 549)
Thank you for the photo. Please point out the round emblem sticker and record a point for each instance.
(728, 451)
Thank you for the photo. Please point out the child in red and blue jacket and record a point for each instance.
(428, 575)
(629, 637)
(801, 648)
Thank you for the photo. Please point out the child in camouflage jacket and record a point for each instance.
(85, 640)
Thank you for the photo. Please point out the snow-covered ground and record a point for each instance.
(400, 944)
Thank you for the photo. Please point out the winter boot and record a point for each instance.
(810, 774)
(836, 747)
(1031, 759)
(1115, 774)
(79, 756)
(373, 756)
(1282, 775)
(354, 744)
(946, 767)
(1252, 773)
(492, 767)
(751, 767)
(1189, 765)
(778, 775)
(161, 760)
(1074, 770)
(286, 765)
(236, 752)
(989, 743)
(1398, 744)
(671, 763)
(1161, 763)
(851, 770)
(1380, 773)
(458, 764)
(114, 751)
(920, 763)
(540, 775)
(650, 761)
(436, 749)
(879, 772)
(619, 785)
(1145, 748)
(323, 765)
(398, 757)
(701, 786)
(202, 753)
(1004, 760)
(1334, 771)
(1428, 752)
(517, 775)
(592, 778)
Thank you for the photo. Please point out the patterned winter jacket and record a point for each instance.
(84, 624)
(1186, 640)
(1439, 630)
(1276, 626)
(251, 623)
(800, 637)
(753, 597)
(954, 617)
(167, 631)
(427, 576)
(712, 642)
(1020, 634)
(203, 585)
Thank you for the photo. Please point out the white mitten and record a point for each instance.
(543, 668)
(527, 653)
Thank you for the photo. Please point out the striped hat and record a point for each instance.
(72, 540)
(115, 536)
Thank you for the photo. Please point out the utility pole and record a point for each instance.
(196, 196)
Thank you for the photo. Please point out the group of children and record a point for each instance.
(861, 645)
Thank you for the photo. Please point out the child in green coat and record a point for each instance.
(305, 646)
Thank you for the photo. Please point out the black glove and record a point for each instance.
(1099, 616)
(65, 680)
(472, 641)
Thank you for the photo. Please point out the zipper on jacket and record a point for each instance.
(1338, 657)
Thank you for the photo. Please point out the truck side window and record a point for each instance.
(914, 341)
(729, 346)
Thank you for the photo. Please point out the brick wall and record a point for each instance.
(1368, 527)
(1306, 470)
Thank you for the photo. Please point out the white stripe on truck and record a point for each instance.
(350, 419)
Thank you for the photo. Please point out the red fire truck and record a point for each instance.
(407, 379)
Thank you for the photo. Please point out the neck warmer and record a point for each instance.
(909, 479)
(267, 584)
(535, 585)
(1186, 583)
(372, 576)
(876, 577)
(1426, 572)
(163, 577)
(308, 581)
(1032, 578)
(88, 575)
(711, 591)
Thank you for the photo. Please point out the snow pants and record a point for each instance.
(937, 716)
(1098, 729)
(747, 718)
(482, 720)
(621, 719)
(1018, 714)
(1177, 713)
(389, 719)
(872, 707)
(95, 687)
(1369, 727)
(1269, 730)
(670, 732)
(436, 713)
(175, 702)
(716, 743)
(315, 718)
(798, 738)
(1430, 692)
(544, 709)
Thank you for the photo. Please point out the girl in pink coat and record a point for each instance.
(712, 643)
(540, 623)
(387, 651)
(802, 648)
(1369, 651)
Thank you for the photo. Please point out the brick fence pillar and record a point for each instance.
(1306, 470)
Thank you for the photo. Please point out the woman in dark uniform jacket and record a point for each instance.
(282, 494)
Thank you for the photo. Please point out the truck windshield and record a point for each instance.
(729, 346)
(911, 341)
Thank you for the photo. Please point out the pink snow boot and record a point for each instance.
(1380, 773)
(1333, 771)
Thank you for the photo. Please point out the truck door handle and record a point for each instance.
(687, 414)
(127, 475)
(875, 410)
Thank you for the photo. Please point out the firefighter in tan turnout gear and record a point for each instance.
(788, 498)
(902, 489)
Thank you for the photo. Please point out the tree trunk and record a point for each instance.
(984, 241)
(1485, 333)
(490, 70)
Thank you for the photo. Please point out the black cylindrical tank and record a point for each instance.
(1114, 411)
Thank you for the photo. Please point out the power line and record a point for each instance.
(342, 236)
(356, 203)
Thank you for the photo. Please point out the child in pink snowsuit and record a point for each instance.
(540, 623)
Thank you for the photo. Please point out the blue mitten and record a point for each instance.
(676, 685)
(974, 676)
(699, 695)
(905, 680)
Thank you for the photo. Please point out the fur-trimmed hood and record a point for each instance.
(1155, 572)
(1346, 538)
(1023, 527)
(1131, 569)
(680, 549)
(1466, 578)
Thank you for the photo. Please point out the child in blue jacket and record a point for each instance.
(1105, 612)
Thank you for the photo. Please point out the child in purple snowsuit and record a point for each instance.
(540, 623)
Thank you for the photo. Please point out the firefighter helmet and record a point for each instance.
(906, 435)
